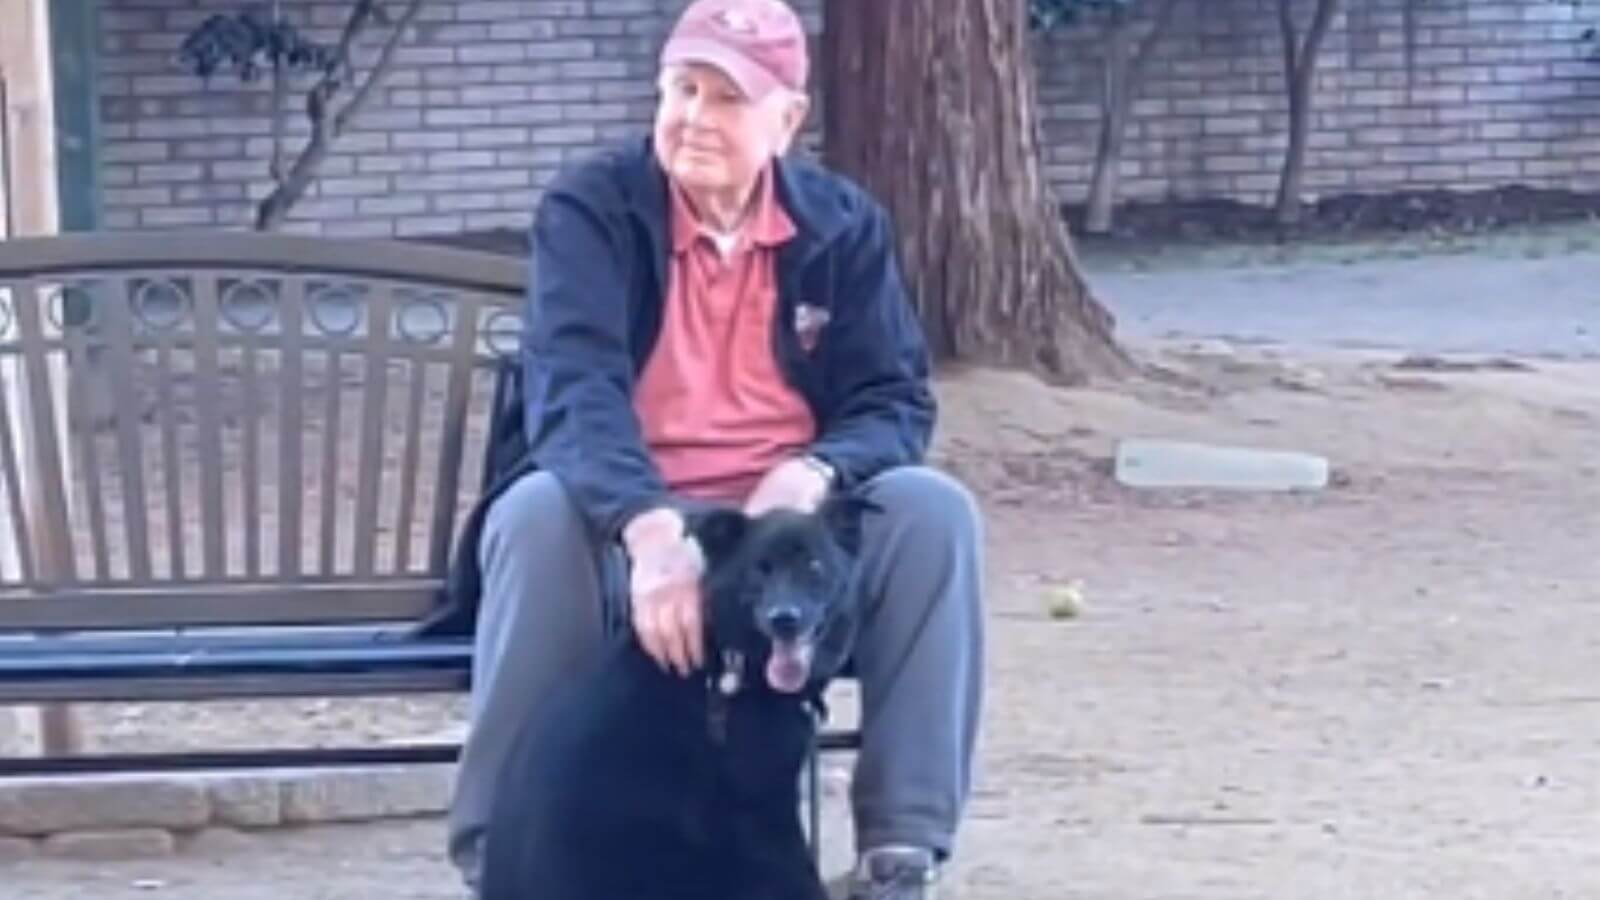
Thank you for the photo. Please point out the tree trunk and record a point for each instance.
(1123, 77)
(1116, 101)
(1300, 73)
(931, 106)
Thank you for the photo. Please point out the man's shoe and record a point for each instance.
(894, 873)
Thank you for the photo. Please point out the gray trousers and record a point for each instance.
(919, 656)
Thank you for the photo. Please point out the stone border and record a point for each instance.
(153, 814)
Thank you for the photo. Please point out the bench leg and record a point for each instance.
(60, 731)
(30, 731)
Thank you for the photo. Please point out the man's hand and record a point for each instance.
(795, 484)
(665, 589)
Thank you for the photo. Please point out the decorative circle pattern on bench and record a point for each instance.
(243, 413)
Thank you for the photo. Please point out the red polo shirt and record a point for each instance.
(716, 410)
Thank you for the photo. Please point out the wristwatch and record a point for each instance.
(822, 467)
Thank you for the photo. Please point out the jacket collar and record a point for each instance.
(812, 202)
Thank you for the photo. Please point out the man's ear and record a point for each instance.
(718, 532)
(843, 514)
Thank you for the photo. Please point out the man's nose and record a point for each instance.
(694, 109)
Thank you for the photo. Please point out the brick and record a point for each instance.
(351, 186)
(426, 140)
(389, 119)
(454, 33)
(493, 53)
(392, 163)
(527, 156)
(175, 216)
(1494, 169)
(491, 10)
(535, 30)
(1464, 152)
(111, 844)
(158, 85)
(45, 806)
(167, 129)
(581, 27)
(593, 69)
(617, 112)
(325, 207)
(140, 196)
(1493, 93)
(528, 114)
(1438, 172)
(412, 55)
(397, 204)
(239, 168)
(1520, 149)
(464, 202)
(565, 134)
(461, 159)
(493, 95)
(1409, 154)
(578, 48)
(136, 151)
(1548, 168)
(215, 148)
(494, 137)
(454, 76)
(446, 118)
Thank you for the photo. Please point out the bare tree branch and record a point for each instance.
(326, 124)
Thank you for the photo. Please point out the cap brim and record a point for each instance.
(751, 79)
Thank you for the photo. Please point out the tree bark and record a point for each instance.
(1300, 74)
(1122, 73)
(931, 106)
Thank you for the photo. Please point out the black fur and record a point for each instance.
(631, 787)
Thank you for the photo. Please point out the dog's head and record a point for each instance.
(781, 587)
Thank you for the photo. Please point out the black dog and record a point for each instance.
(638, 784)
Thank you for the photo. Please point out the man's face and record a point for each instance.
(711, 138)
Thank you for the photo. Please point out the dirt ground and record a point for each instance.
(1386, 689)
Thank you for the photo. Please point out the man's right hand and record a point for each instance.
(665, 589)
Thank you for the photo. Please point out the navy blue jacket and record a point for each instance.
(601, 241)
(601, 244)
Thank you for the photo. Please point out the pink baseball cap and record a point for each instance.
(760, 44)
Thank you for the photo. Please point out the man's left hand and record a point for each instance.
(793, 484)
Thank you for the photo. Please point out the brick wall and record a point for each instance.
(1501, 94)
(492, 96)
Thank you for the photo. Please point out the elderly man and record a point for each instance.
(712, 321)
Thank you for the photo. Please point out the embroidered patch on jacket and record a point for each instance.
(808, 324)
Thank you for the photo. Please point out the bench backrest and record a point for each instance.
(240, 429)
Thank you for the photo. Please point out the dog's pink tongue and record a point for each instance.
(789, 667)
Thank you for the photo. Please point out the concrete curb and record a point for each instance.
(147, 814)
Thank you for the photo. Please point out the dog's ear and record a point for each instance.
(718, 532)
(842, 513)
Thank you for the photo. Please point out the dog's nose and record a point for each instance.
(784, 621)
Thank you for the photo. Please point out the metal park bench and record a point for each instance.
(234, 465)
